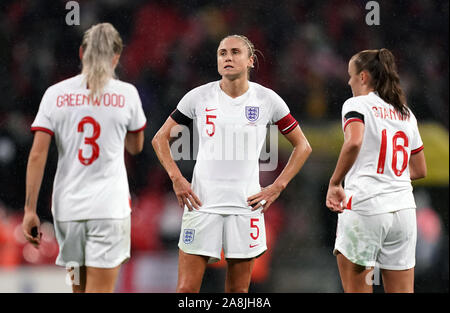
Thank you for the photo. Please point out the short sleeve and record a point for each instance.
(416, 142)
(187, 104)
(352, 111)
(279, 108)
(42, 121)
(138, 120)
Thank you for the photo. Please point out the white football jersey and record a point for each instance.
(379, 180)
(91, 180)
(231, 134)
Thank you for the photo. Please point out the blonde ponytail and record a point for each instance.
(100, 44)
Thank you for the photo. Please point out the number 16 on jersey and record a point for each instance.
(398, 146)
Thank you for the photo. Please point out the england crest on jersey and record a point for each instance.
(251, 113)
(188, 236)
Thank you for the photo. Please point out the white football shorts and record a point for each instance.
(386, 241)
(102, 243)
(240, 236)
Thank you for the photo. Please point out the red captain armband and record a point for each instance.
(287, 124)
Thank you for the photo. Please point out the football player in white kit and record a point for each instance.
(93, 118)
(381, 154)
(223, 208)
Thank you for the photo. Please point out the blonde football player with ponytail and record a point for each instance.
(93, 117)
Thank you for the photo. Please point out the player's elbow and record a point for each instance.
(133, 150)
(419, 173)
(35, 157)
(301, 144)
(353, 145)
(159, 138)
(134, 143)
(307, 148)
(424, 173)
(417, 166)
(155, 140)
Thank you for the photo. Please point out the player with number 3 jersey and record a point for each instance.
(381, 154)
(93, 117)
(90, 134)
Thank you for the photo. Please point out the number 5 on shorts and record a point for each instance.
(252, 225)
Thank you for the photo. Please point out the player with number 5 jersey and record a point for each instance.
(225, 207)
(381, 154)
(93, 117)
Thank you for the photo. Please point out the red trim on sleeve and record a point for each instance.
(138, 130)
(42, 129)
(352, 120)
(417, 150)
(287, 124)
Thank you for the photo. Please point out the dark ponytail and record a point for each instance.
(385, 80)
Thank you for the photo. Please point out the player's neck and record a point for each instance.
(234, 88)
(365, 91)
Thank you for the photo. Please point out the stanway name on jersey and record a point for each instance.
(78, 99)
(385, 113)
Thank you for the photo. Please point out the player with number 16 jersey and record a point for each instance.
(379, 180)
(382, 152)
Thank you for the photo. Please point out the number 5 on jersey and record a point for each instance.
(89, 140)
(210, 122)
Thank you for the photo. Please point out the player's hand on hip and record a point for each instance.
(185, 195)
(30, 228)
(264, 198)
(335, 200)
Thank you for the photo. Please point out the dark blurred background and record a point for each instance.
(170, 48)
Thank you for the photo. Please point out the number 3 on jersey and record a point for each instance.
(89, 140)
(396, 148)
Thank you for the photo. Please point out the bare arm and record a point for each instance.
(417, 166)
(181, 186)
(299, 155)
(353, 138)
(35, 172)
(134, 142)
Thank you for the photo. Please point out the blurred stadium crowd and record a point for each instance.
(170, 48)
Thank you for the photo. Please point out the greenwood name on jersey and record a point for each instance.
(91, 180)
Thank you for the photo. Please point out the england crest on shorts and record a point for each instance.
(188, 236)
(251, 113)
